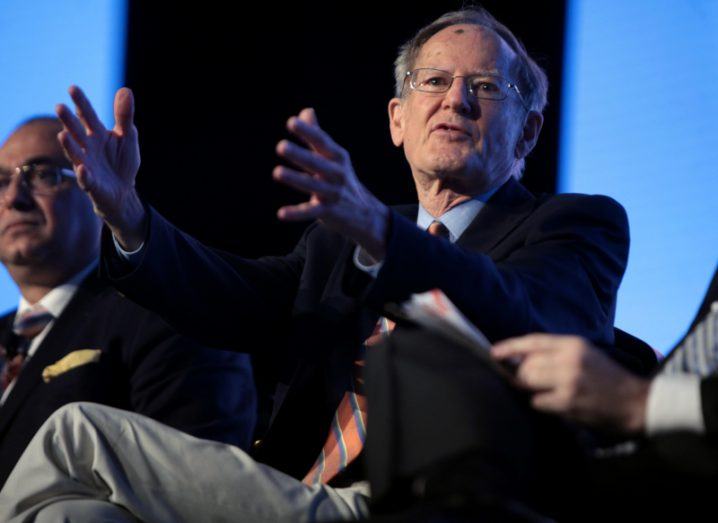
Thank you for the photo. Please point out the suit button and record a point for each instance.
(257, 443)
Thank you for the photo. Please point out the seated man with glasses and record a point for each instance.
(467, 111)
(73, 337)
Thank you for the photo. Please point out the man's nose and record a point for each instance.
(459, 98)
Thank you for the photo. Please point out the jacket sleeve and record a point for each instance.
(207, 294)
(561, 277)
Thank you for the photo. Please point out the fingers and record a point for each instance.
(310, 210)
(124, 111)
(72, 124)
(549, 401)
(84, 179)
(524, 345)
(310, 161)
(86, 112)
(77, 157)
(306, 128)
(324, 191)
(537, 372)
(73, 149)
(309, 116)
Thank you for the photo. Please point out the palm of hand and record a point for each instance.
(106, 161)
(111, 164)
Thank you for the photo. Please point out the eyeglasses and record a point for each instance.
(42, 179)
(485, 86)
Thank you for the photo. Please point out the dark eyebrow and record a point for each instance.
(41, 160)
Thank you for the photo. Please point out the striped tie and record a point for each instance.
(348, 430)
(698, 353)
(27, 325)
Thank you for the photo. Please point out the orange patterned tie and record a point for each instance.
(348, 429)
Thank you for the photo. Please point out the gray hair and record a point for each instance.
(529, 76)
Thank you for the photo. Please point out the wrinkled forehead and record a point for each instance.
(467, 46)
(30, 142)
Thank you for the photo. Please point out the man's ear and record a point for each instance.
(396, 123)
(529, 134)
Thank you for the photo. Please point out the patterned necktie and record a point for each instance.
(27, 325)
(348, 430)
(698, 353)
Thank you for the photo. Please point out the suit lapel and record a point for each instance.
(504, 211)
(52, 348)
(7, 337)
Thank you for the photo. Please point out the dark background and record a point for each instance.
(215, 89)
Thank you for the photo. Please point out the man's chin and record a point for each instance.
(24, 257)
(453, 162)
(453, 168)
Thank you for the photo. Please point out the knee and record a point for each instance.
(72, 412)
(71, 419)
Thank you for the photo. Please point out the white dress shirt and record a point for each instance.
(674, 403)
(54, 302)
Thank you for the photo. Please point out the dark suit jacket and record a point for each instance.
(524, 265)
(144, 366)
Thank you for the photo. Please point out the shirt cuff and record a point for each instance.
(364, 262)
(674, 404)
(130, 256)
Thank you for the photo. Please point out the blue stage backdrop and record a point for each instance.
(640, 115)
(45, 46)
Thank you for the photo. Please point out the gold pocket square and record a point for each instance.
(69, 362)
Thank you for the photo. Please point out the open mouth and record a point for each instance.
(450, 129)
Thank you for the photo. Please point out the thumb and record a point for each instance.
(124, 110)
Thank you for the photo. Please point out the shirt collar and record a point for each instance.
(456, 219)
(57, 299)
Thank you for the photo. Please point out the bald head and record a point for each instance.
(45, 234)
(38, 135)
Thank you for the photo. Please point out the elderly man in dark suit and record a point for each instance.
(73, 337)
(467, 111)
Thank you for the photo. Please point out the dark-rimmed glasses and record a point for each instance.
(39, 178)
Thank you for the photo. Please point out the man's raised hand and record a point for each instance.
(336, 196)
(106, 162)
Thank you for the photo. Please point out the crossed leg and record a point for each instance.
(108, 463)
